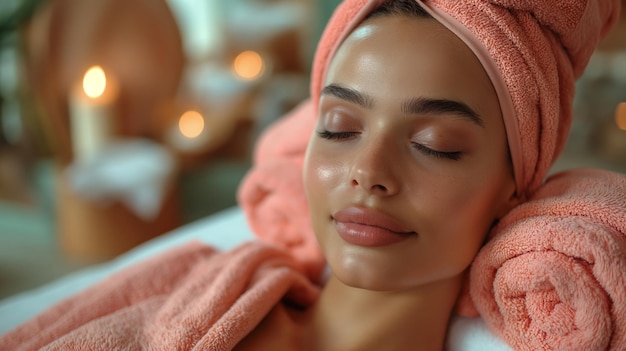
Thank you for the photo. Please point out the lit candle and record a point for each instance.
(189, 134)
(91, 110)
(191, 124)
(249, 65)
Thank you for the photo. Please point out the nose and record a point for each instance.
(373, 171)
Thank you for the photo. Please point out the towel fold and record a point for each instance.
(273, 199)
(190, 298)
(272, 194)
(553, 276)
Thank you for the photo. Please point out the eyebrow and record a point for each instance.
(421, 105)
(441, 106)
(349, 95)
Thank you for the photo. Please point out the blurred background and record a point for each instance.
(121, 120)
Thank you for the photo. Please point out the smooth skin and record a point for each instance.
(409, 130)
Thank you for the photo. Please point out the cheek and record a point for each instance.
(321, 181)
(321, 178)
(455, 227)
(321, 171)
(474, 208)
(467, 208)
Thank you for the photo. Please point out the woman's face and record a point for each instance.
(408, 166)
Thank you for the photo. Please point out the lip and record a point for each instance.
(369, 227)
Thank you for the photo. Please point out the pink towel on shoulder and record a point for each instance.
(272, 194)
(272, 198)
(190, 298)
(553, 276)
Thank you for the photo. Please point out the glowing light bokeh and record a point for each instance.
(620, 116)
(249, 65)
(191, 124)
(94, 82)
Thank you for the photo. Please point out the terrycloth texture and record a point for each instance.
(272, 194)
(532, 50)
(190, 298)
(553, 276)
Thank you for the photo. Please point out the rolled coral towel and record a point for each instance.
(553, 276)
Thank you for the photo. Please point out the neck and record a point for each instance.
(347, 318)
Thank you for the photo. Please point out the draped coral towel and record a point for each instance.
(189, 298)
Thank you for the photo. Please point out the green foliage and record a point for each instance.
(13, 17)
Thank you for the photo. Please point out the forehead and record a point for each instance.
(405, 57)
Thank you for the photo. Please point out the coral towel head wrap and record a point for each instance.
(532, 50)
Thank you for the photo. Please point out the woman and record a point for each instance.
(407, 170)
(433, 121)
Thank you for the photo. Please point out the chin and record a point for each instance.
(365, 282)
(369, 273)
(364, 273)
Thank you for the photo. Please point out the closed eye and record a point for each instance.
(326, 134)
(454, 156)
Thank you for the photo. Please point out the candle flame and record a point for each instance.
(191, 124)
(249, 65)
(620, 116)
(94, 82)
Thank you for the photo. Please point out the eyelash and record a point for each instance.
(454, 156)
(326, 134)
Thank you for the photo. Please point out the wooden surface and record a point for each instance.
(92, 231)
